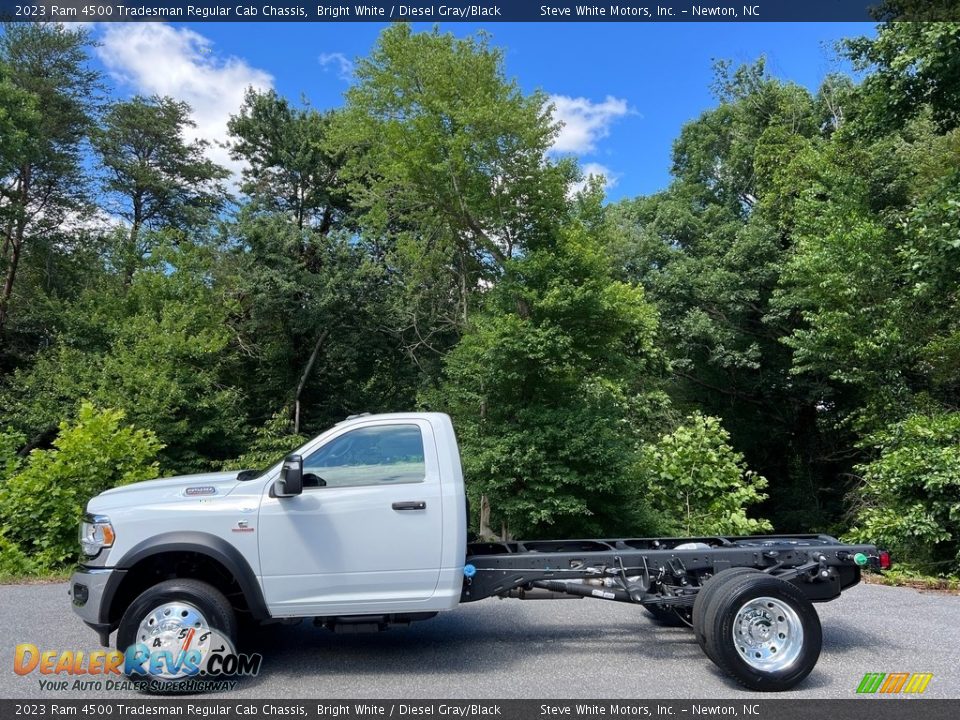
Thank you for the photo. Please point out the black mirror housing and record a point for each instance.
(290, 483)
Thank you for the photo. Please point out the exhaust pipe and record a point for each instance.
(537, 593)
(582, 590)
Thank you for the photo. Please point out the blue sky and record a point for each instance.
(624, 89)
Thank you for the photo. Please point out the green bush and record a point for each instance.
(10, 443)
(13, 561)
(698, 483)
(909, 501)
(41, 505)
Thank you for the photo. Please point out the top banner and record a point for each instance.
(484, 11)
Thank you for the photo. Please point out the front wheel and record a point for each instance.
(763, 632)
(172, 629)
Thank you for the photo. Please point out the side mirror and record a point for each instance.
(291, 477)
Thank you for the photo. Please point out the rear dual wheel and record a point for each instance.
(759, 629)
(706, 594)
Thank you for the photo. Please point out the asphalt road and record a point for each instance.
(498, 649)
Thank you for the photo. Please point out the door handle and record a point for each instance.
(410, 505)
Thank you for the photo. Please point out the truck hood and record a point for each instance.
(182, 487)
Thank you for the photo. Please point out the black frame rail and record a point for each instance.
(658, 571)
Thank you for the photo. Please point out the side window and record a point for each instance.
(387, 454)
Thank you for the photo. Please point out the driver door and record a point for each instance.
(365, 536)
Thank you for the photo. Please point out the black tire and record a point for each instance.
(778, 634)
(209, 601)
(707, 592)
(667, 616)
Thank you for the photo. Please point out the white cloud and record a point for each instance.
(158, 59)
(339, 61)
(589, 169)
(584, 121)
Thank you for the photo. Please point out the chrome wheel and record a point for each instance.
(768, 634)
(177, 627)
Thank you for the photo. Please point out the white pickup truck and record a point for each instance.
(365, 526)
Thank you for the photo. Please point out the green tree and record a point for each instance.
(13, 561)
(10, 444)
(551, 388)
(46, 68)
(710, 251)
(18, 113)
(912, 68)
(312, 308)
(290, 166)
(698, 484)
(154, 178)
(870, 285)
(41, 506)
(445, 160)
(909, 499)
(874, 274)
(450, 145)
(310, 319)
(161, 349)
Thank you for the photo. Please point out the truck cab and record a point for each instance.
(377, 528)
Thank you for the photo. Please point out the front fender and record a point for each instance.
(211, 546)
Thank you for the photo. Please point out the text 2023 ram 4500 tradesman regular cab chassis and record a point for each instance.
(365, 526)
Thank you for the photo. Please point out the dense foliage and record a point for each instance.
(40, 504)
(695, 481)
(775, 335)
(910, 499)
(552, 386)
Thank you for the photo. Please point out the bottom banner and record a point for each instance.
(875, 708)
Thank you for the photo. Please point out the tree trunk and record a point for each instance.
(300, 209)
(41, 439)
(130, 263)
(8, 285)
(463, 286)
(15, 247)
(486, 532)
(8, 232)
(7, 237)
(304, 376)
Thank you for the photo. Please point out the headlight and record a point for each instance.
(96, 533)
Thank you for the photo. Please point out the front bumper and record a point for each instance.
(91, 590)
